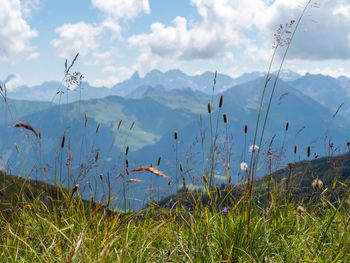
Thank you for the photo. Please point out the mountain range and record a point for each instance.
(159, 104)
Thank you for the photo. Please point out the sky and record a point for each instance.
(115, 38)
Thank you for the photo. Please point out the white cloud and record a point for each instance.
(120, 74)
(323, 33)
(225, 27)
(102, 55)
(15, 33)
(121, 9)
(83, 38)
(333, 72)
(222, 25)
(74, 38)
(109, 69)
(105, 82)
(33, 56)
(14, 82)
(27, 6)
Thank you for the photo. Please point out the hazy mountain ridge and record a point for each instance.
(135, 86)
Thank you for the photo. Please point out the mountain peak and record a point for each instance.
(135, 75)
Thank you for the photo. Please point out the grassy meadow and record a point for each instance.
(296, 214)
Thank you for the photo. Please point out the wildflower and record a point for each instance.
(300, 209)
(253, 148)
(244, 166)
(224, 210)
(317, 183)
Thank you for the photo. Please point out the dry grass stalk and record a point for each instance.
(98, 126)
(149, 169)
(26, 126)
(16, 146)
(134, 181)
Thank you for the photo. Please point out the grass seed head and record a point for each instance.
(225, 117)
(300, 209)
(98, 127)
(26, 126)
(221, 101)
(317, 184)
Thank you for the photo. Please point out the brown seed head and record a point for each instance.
(132, 125)
(96, 156)
(133, 180)
(205, 178)
(308, 151)
(98, 126)
(225, 117)
(120, 123)
(85, 119)
(245, 129)
(221, 100)
(181, 168)
(287, 126)
(158, 163)
(63, 140)
(26, 126)
(209, 108)
(127, 150)
(127, 163)
(290, 166)
(175, 135)
(295, 149)
(75, 188)
(69, 158)
(149, 169)
(16, 146)
(218, 191)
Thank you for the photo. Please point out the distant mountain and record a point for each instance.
(310, 123)
(47, 91)
(326, 90)
(343, 79)
(173, 79)
(136, 86)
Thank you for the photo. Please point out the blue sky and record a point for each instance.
(117, 37)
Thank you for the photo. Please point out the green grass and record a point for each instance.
(77, 233)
